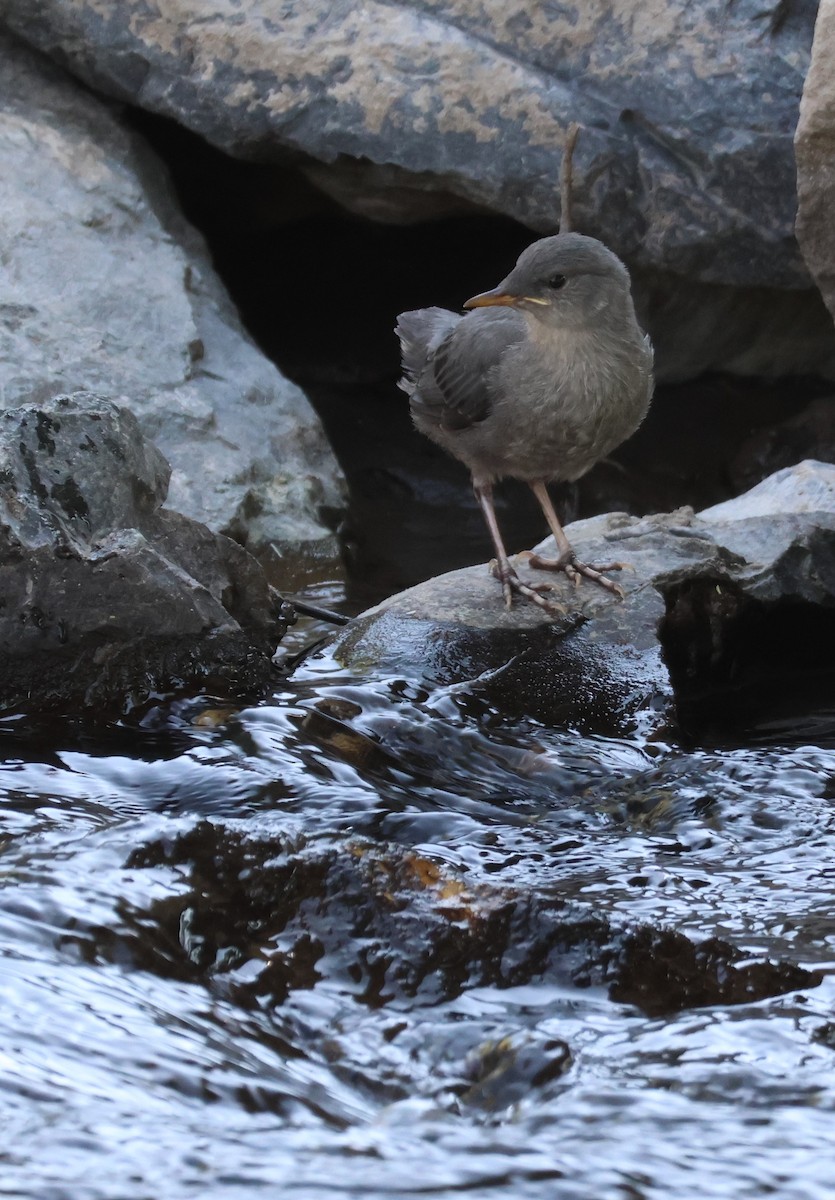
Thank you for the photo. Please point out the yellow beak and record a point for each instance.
(487, 299)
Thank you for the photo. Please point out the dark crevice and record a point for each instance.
(743, 670)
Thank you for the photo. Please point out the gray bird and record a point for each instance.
(544, 378)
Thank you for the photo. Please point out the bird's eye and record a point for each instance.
(556, 282)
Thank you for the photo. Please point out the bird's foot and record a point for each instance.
(576, 571)
(511, 583)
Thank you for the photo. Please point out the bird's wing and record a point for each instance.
(455, 388)
(420, 332)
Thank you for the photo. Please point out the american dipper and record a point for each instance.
(546, 376)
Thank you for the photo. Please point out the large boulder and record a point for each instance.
(685, 162)
(815, 152)
(715, 603)
(408, 111)
(106, 597)
(107, 288)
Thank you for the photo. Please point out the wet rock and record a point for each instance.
(504, 1073)
(824, 1035)
(260, 917)
(686, 161)
(105, 596)
(701, 591)
(815, 154)
(662, 972)
(107, 288)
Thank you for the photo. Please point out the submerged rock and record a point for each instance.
(107, 288)
(104, 595)
(696, 587)
(260, 917)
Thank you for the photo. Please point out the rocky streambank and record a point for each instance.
(108, 289)
(107, 597)
(459, 900)
(407, 112)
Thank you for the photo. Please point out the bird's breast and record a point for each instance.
(559, 409)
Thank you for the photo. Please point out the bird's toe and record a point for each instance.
(511, 583)
(576, 571)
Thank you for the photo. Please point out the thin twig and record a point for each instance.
(567, 177)
(289, 607)
(315, 610)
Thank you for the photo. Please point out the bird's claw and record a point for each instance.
(511, 583)
(577, 571)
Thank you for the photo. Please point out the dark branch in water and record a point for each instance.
(321, 614)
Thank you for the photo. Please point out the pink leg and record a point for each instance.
(567, 560)
(510, 581)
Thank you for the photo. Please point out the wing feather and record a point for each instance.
(451, 375)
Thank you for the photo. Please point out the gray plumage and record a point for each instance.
(533, 391)
(546, 376)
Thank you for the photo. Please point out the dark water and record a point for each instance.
(365, 940)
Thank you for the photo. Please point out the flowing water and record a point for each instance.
(372, 939)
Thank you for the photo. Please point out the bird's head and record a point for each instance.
(567, 281)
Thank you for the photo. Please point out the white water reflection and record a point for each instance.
(128, 1072)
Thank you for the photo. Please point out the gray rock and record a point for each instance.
(691, 580)
(815, 154)
(104, 595)
(808, 487)
(107, 288)
(411, 111)
(686, 159)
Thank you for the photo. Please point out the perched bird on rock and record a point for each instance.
(545, 376)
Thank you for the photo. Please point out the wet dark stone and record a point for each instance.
(105, 596)
(735, 662)
(455, 630)
(397, 929)
(661, 971)
(824, 1035)
(506, 1072)
(740, 595)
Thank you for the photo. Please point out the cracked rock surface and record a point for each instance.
(105, 596)
(107, 288)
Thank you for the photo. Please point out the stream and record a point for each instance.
(371, 939)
